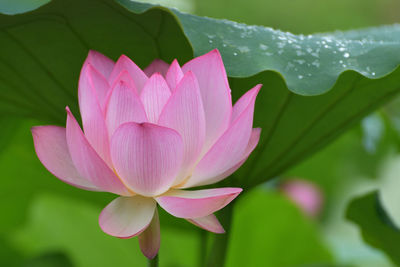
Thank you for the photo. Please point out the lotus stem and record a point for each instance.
(219, 247)
(153, 262)
(203, 248)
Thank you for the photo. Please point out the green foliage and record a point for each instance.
(271, 231)
(20, 6)
(346, 159)
(304, 16)
(9, 127)
(9, 256)
(376, 227)
(54, 259)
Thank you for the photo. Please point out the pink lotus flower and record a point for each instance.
(148, 135)
(306, 195)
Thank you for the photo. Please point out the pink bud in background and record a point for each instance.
(147, 135)
(305, 194)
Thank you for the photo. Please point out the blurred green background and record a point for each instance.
(47, 223)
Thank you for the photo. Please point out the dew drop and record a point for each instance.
(234, 53)
(281, 45)
(346, 55)
(300, 77)
(244, 49)
(315, 63)
(263, 47)
(373, 74)
(289, 66)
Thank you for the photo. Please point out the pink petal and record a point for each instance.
(195, 204)
(91, 111)
(93, 81)
(209, 223)
(146, 156)
(88, 162)
(184, 113)
(100, 62)
(125, 63)
(127, 217)
(126, 78)
(124, 106)
(230, 147)
(210, 72)
(305, 194)
(52, 150)
(149, 240)
(244, 102)
(154, 96)
(157, 66)
(255, 137)
(174, 75)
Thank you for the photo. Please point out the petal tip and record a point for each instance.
(209, 223)
(255, 90)
(216, 51)
(175, 61)
(221, 232)
(34, 130)
(150, 255)
(123, 56)
(189, 75)
(156, 75)
(235, 191)
(91, 55)
(258, 87)
(93, 52)
(239, 190)
(69, 113)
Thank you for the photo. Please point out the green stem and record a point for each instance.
(153, 262)
(219, 247)
(203, 247)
